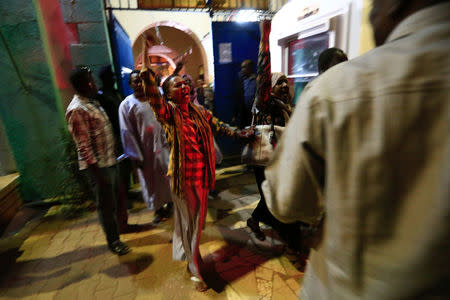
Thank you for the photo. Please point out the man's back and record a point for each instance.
(92, 132)
(381, 123)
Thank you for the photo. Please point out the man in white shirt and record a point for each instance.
(367, 150)
(144, 142)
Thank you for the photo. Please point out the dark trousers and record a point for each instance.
(261, 212)
(106, 197)
(246, 117)
(288, 232)
(124, 170)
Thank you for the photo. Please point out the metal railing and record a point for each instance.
(217, 14)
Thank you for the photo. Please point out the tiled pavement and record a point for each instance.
(68, 259)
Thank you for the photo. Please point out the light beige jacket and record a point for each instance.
(369, 144)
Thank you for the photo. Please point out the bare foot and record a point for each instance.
(200, 285)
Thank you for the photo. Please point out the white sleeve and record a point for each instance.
(128, 133)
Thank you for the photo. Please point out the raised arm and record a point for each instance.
(160, 107)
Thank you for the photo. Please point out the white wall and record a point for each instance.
(285, 23)
(198, 22)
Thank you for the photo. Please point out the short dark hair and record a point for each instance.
(329, 58)
(166, 85)
(105, 71)
(79, 76)
(133, 72)
(250, 63)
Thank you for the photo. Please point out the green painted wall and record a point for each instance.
(30, 102)
(7, 162)
(29, 106)
(93, 48)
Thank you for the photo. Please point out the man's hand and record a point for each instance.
(178, 68)
(147, 76)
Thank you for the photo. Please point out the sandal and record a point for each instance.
(254, 226)
(160, 216)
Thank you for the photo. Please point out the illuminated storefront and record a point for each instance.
(301, 30)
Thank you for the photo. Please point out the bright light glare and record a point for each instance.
(125, 70)
(246, 15)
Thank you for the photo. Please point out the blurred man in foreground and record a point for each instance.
(367, 150)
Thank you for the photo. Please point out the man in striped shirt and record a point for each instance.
(92, 132)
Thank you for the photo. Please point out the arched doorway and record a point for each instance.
(177, 41)
(162, 60)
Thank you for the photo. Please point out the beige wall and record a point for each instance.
(366, 37)
(179, 41)
(198, 22)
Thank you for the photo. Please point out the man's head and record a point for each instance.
(247, 68)
(136, 84)
(107, 77)
(387, 14)
(329, 58)
(83, 82)
(189, 81)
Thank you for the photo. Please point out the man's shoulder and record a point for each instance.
(129, 98)
(79, 106)
(128, 101)
(348, 80)
(339, 81)
(75, 104)
(388, 69)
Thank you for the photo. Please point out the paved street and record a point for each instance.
(68, 259)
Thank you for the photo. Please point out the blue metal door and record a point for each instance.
(243, 41)
(122, 54)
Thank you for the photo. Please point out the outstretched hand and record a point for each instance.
(246, 135)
